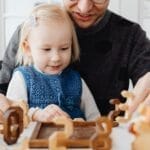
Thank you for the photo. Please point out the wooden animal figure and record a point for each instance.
(141, 129)
(114, 113)
(124, 107)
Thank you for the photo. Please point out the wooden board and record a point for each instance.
(83, 131)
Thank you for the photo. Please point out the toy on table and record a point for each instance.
(60, 140)
(15, 119)
(124, 107)
(13, 124)
(101, 139)
(65, 133)
(114, 115)
(141, 129)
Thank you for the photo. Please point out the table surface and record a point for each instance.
(121, 139)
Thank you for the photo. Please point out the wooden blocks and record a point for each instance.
(114, 115)
(141, 129)
(124, 107)
(65, 133)
(13, 124)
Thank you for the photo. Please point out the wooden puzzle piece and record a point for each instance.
(13, 124)
(124, 107)
(141, 128)
(58, 140)
(114, 113)
(101, 140)
(22, 104)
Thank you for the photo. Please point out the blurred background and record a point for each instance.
(12, 13)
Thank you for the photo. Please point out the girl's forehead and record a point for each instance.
(47, 31)
(54, 24)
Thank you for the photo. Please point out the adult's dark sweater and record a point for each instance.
(112, 51)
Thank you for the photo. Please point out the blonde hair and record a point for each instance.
(44, 12)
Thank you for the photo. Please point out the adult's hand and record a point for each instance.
(141, 92)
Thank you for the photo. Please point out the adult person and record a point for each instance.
(113, 50)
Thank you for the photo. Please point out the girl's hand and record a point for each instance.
(49, 113)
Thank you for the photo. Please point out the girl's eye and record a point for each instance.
(46, 49)
(65, 48)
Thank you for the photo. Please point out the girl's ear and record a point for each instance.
(26, 48)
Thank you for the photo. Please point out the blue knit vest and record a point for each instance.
(63, 90)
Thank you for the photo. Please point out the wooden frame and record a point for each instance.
(71, 134)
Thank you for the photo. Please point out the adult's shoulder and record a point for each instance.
(121, 25)
(121, 20)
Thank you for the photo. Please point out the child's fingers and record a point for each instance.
(57, 109)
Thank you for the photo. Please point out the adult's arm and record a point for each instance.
(9, 60)
(88, 105)
(139, 67)
(141, 93)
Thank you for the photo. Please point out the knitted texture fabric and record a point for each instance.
(63, 90)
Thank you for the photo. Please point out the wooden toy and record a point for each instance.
(124, 107)
(100, 138)
(15, 119)
(22, 104)
(13, 124)
(141, 129)
(65, 133)
(114, 113)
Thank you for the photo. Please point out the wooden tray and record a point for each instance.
(81, 137)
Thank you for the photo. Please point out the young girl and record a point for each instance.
(51, 88)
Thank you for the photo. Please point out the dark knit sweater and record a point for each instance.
(112, 51)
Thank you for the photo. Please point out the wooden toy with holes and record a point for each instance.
(15, 119)
(114, 115)
(124, 107)
(65, 133)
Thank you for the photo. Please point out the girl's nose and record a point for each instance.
(84, 5)
(55, 56)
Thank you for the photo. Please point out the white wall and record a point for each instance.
(126, 8)
(11, 15)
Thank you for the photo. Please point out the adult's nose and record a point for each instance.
(85, 6)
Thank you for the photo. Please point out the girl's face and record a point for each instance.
(49, 45)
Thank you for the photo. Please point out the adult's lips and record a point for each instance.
(83, 17)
